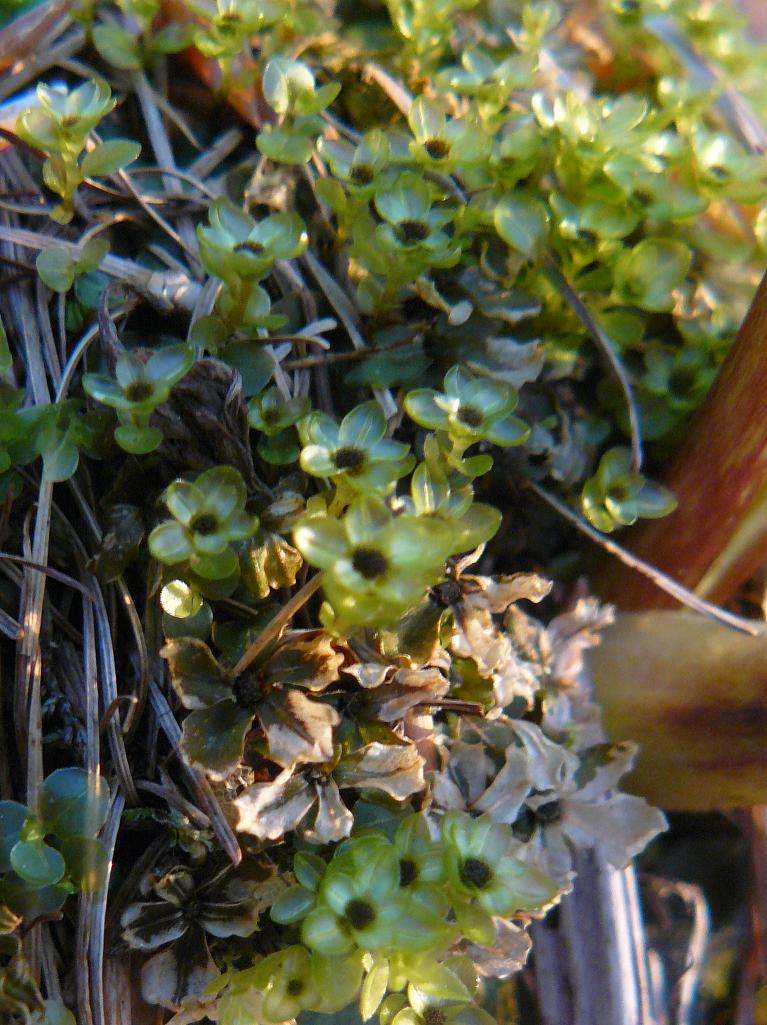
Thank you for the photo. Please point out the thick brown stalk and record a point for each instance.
(718, 535)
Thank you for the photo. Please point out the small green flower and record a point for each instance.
(481, 867)
(234, 22)
(235, 246)
(470, 409)
(60, 125)
(138, 388)
(617, 496)
(208, 515)
(291, 91)
(445, 998)
(356, 450)
(441, 144)
(276, 418)
(287, 982)
(681, 377)
(63, 120)
(435, 495)
(412, 224)
(376, 565)
(360, 903)
(357, 166)
(421, 866)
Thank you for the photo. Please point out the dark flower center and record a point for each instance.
(270, 416)
(437, 149)
(619, 493)
(413, 231)
(469, 416)
(433, 1016)
(549, 812)
(408, 872)
(349, 458)
(475, 873)
(138, 391)
(70, 121)
(720, 173)
(369, 563)
(249, 246)
(247, 691)
(359, 914)
(294, 987)
(204, 524)
(362, 174)
(231, 17)
(447, 594)
(682, 380)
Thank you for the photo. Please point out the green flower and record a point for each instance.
(356, 450)
(63, 120)
(412, 224)
(359, 903)
(442, 996)
(451, 502)
(60, 125)
(208, 515)
(234, 22)
(376, 565)
(681, 377)
(482, 868)
(443, 144)
(617, 496)
(357, 166)
(275, 417)
(421, 866)
(139, 387)
(470, 409)
(235, 246)
(287, 982)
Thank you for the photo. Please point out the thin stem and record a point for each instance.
(665, 583)
(276, 624)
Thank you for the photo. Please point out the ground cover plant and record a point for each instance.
(317, 318)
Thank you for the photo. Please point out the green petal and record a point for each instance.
(321, 540)
(169, 543)
(223, 490)
(363, 426)
(184, 501)
(511, 431)
(106, 391)
(317, 461)
(421, 407)
(321, 932)
(365, 518)
(169, 365)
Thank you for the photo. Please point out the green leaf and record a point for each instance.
(37, 863)
(138, 440)
(86, 861)
(12, 818)
(522, 222)
(109, 157)
(56, 268)
(255, 365)
(74, 802)
(60, 454)
(213, 739)
(118, 47)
